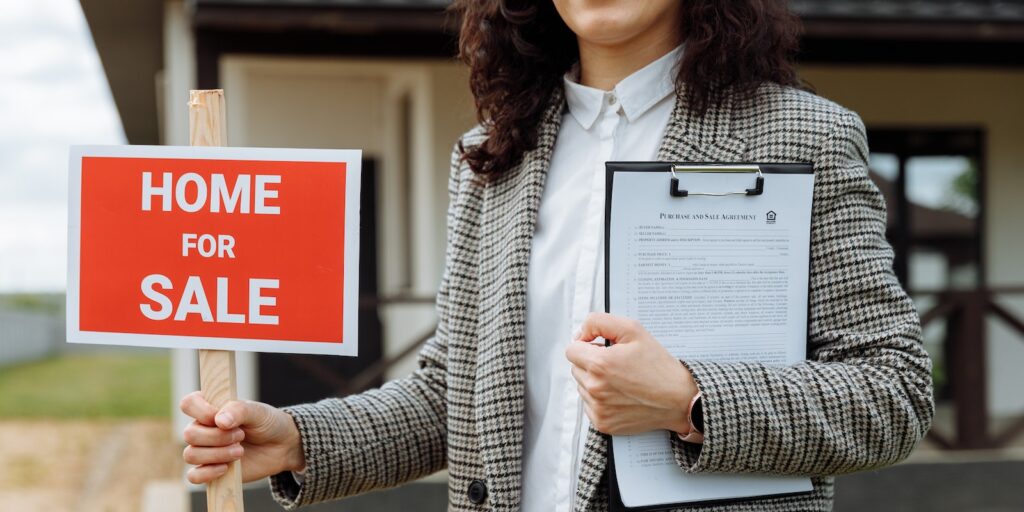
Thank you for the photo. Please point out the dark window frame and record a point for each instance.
(906, 142)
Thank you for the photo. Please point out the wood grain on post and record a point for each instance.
(207, 118)
(207, 126)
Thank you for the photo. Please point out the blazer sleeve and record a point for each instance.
(863, 399)
(382, 437)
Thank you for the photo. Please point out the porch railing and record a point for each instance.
(966, 313)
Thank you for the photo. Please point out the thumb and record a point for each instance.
(613, 328)
(238, 413)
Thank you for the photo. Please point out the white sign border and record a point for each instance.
(353, 168)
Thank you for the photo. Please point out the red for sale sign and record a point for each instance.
(215, 248)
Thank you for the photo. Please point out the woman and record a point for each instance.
(560, 88)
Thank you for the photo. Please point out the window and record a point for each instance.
(932, 183)
(931, 180)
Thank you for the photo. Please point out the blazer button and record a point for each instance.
(477, 492)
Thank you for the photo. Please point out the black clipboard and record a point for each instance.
(676, 187)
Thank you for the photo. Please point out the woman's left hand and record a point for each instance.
(634, 385)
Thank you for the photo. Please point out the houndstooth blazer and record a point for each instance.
(861, 401)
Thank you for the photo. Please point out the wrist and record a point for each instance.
(683, 393)
(295, 457)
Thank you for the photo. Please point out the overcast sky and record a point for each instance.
(52, 94)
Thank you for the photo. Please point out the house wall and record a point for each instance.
(992, 100)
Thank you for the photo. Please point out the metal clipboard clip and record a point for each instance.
(675, 191)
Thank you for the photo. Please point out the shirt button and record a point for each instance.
(477, 492)
(611, 99)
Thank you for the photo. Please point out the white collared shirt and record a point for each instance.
(565, 276)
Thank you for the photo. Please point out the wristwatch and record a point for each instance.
(696, 417)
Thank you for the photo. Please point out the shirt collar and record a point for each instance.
(636, 93)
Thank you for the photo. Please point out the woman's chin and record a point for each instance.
(613, 22)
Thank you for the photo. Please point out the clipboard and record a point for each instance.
(677, 187)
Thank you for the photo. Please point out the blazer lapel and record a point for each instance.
(509, 217)
(689, 137)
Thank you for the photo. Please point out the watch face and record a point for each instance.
(697, 415)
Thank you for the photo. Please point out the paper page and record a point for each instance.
(712, 279)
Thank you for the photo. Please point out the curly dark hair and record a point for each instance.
(518, 51)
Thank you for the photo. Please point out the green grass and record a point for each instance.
(41, 302)
(88, 386)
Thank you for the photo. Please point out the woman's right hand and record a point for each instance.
(263, 437)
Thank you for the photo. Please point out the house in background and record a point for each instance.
(939, 84)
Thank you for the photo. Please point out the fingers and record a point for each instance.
(598, 421)
(241, 413)
(206, 473)
(219, 455)
(584, 355)
(584, 379)
(612, 328)
(588, 400)
(195, 406)
(234, 414)
(197, 434)
(598, 391)
(579, 374)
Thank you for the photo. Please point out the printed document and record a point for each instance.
(713, 279)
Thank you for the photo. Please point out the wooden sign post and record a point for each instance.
(207, 126)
